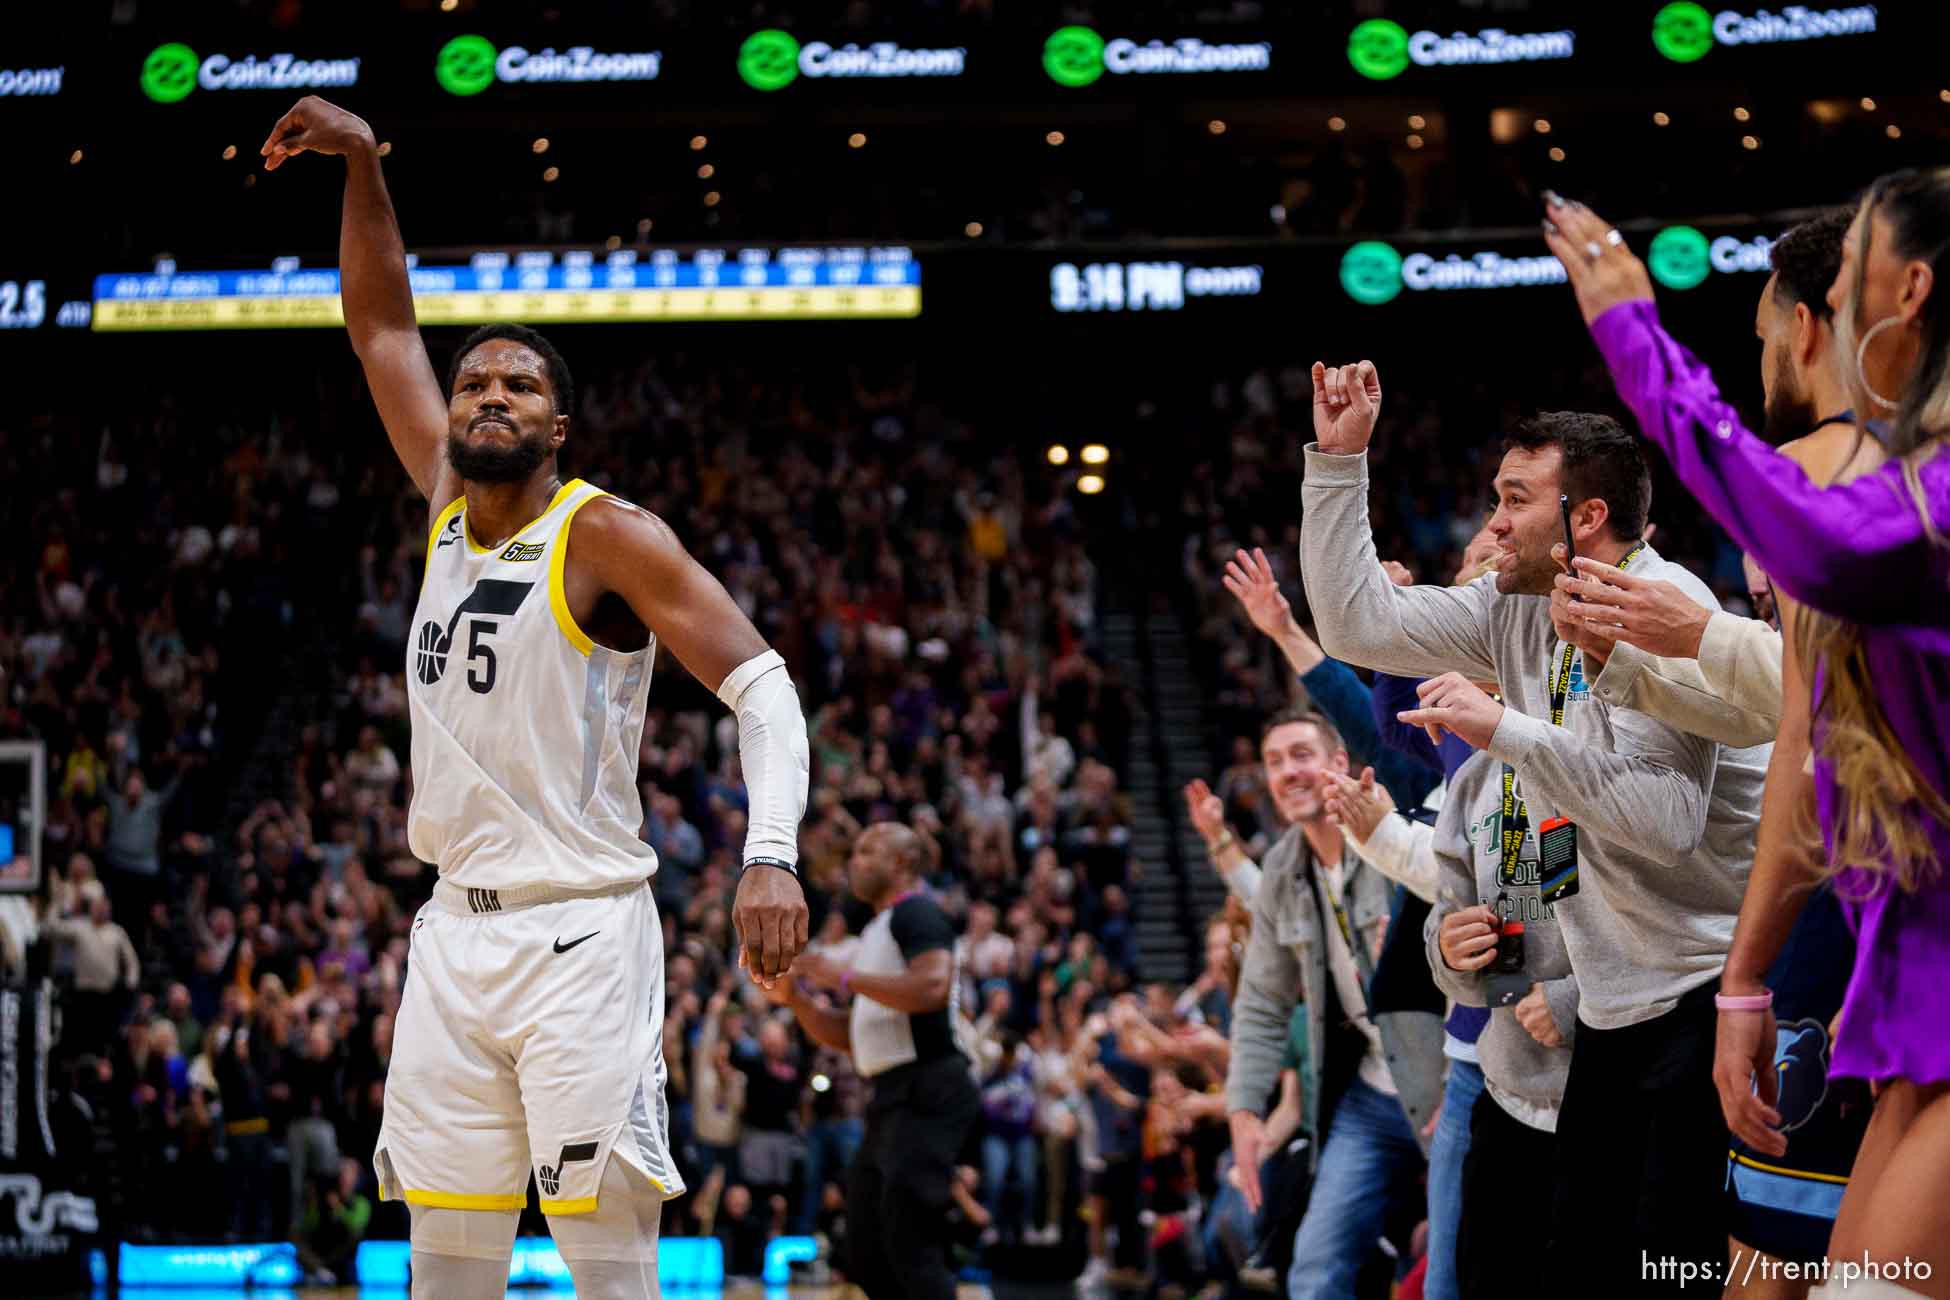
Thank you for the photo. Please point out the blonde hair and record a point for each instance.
(1881, 795)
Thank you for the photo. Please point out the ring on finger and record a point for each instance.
(1593, 249)
(1613, 238)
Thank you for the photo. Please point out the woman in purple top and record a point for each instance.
(1870, 559)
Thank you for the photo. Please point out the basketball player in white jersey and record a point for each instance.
(530, 1028)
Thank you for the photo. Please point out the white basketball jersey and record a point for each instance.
(525, 732)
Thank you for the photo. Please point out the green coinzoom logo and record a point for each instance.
(1679, 257)
(169, 73)
(1371, 272)
(1073, 56)
(465, 65)
(1683, 31)
(1378, 49)
(769, 60)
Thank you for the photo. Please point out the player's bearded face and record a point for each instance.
(481, 451)
(501, 416)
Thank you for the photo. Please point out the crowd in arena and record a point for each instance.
(1365, 1058)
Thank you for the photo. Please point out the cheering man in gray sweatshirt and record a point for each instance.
(1645, 835)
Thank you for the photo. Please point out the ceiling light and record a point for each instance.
(1058, 454)
(706, 172)
(540, 145)
(1416, 121)
(229, 152)
(1415, 142)
(1337, 124)
(1542, 126)
(1868, 105)
(1557, 155)
(1096, 454)
(711, 198)
(973, 230)
(1749, 142)
(697, 143)
(1216, 127)
(857, 140)
(1053, 139)
(1090, 484)
(1660, 119)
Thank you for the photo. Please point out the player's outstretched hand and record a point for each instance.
(317, 126)
(769, 912)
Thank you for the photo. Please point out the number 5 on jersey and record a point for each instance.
(491, 598)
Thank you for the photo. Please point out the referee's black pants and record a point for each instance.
(897, 1190)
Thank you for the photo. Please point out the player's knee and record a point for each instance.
(466, 1234)
(622, 1227)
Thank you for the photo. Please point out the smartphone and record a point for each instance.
(1570, 542)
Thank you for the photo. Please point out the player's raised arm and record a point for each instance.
(631, 552)
(377, 294)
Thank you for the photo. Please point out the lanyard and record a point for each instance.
(1516, 814)
(1358, 951)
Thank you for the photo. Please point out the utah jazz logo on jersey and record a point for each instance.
(491, 598)
(450, 534)
(550, 1176)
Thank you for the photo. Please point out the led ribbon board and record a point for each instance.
(706, 284)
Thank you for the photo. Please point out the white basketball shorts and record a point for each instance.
(529, 1037)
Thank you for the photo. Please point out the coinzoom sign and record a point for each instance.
(172, 71)
(1373, 272)
(1077, 56)
(1680, 257)
(773, 59)
(468, 65)
(1684, 31)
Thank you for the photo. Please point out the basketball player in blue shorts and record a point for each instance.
(529, 1032)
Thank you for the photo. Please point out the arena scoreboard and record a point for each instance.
(571, 287)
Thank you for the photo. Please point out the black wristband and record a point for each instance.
(780, 863)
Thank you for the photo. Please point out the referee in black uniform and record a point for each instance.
(900, 1033)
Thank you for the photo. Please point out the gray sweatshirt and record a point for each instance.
(1525, 1077)
(1666, 820)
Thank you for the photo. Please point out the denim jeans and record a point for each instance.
(1459, 1094)
(1370, 1159)
(999, 1155)
(830, 1147)
(1226, 1234)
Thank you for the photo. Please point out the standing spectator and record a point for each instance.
(1008, 1140)
(834, 1128)
(773, 1081)
(105, 971)
(314, 1076)
(373, 765)
(242, 1062)
(135, 814)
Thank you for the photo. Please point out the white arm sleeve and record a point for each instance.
(773, 751)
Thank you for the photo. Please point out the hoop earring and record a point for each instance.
(1862, 351)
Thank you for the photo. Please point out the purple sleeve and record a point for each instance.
(1858, 550)
(1393, 695)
